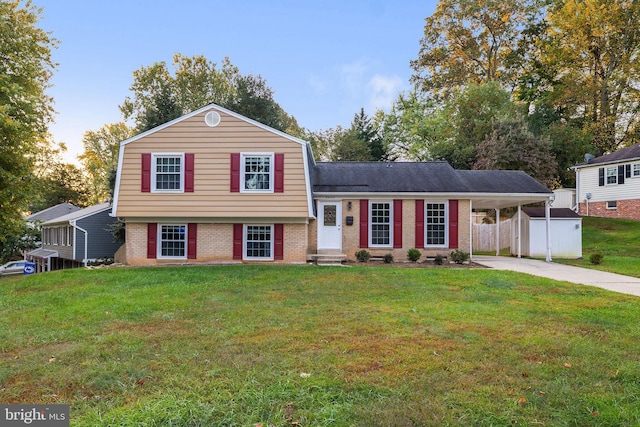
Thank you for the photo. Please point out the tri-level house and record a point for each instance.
(609, 185)
(214, 186)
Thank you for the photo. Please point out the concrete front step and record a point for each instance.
(327, 259)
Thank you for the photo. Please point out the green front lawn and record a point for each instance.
(319, 346)
(617, 239)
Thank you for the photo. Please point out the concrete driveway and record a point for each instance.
(568, 273)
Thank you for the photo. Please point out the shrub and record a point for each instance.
(596, 259)
(363, 255)
(439, 259)
(413, 255)
(388, 259)
(459, 256)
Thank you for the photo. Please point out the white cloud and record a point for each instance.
(384, 91)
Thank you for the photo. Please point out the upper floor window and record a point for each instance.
(380, 224)
(257, 173)
(435, 224)
(612, 175)
(168, 172)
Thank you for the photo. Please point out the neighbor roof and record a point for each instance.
(625, 154)
(53, 212)
(418, 177)
(83, 213)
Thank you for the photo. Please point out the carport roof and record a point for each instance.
(487, 189)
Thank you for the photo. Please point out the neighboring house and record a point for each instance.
(76, 238)
(214, 186)
(609, 185)
(566, 233)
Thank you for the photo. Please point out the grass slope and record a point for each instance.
(617, 239)
(309, 346)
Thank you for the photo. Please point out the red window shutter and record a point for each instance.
(152, 240)
(453, 224)
(192, 240)
(189, 173)
(235, 173)
(237, 241)
(278, 241)
(278, 176)
(364, 223)
(397, 223)
(419, 224)
(146, 173)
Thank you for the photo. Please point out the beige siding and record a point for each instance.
(212, 148)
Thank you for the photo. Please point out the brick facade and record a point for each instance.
(351, 233)
(214, 244)
(626, 209)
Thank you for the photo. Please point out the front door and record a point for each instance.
(330, 225)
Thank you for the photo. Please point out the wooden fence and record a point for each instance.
(484, 236)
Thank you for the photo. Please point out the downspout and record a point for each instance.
(86, 248)
(547, 214)
(497, 232)
(470, 229)
(519, 230)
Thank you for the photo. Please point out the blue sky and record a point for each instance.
(323, 59)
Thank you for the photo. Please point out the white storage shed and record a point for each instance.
(566, 233)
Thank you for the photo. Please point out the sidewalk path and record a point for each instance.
(568, 273)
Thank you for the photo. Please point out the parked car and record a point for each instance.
(12, 267)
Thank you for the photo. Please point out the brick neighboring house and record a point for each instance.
(609, 186)
(215, 186)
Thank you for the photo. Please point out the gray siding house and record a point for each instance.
(76, 238)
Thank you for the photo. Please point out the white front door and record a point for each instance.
(330, 225)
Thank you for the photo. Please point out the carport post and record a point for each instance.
(547, 214)
(519, 231)
(497, 231)
(470, 229)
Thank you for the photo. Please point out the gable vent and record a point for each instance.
(212, 119)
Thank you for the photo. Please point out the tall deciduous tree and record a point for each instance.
(511, 146)
(25, 109)
(100, 158)
(594, 46)
(470, 41)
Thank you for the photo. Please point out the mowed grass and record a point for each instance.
(617, 239)
(319, 346)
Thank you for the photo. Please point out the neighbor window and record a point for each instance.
(612, 175)
(173, 241)
(380, 213)
(635, 169)
(612, 205)
(258, 242)
(435, 222)
(167, 172)
(257, 173)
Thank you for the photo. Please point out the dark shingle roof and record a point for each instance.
(418, 177)
(628, 153)
(553, 213)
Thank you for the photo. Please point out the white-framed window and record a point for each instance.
(613, 204)
(167, 172)
(435, 223)
(258, 242)
(635, 169)
(256, 172)
(172, 241)
(612, 175)
(56, 234)
(381, 219)
(70, 236)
